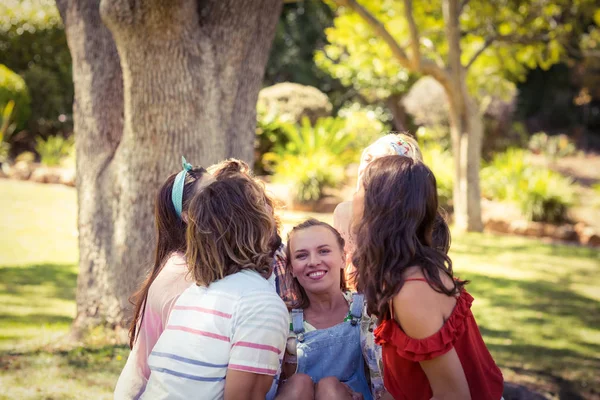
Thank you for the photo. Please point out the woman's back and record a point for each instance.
(164, 291)
(231, 324)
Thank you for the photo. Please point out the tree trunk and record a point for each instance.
(192, 70)
(98, 120)
(466, 127)
(400, 117)
(466, 130)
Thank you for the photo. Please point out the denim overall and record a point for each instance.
(333, 351)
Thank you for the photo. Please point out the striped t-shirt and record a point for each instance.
(238, 323)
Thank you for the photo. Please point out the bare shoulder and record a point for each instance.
(342, 214)
(420, 310)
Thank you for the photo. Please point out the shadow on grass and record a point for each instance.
(37, 319)
(490, 245)
(61, 279)
(547, 298)
(101, 357)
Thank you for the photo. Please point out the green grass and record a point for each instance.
(537, 305)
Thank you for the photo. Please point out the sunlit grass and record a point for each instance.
(537, 304)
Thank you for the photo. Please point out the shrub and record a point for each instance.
(54, 150)
(365, 123)
(13, 88)
(551, 146)
(441, 163)
(314, 157)
(543, 195)
(6, 129)
(34, 45)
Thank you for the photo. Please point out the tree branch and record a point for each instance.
(486, 44)
(414, 34)
(428, 67)
(380, 30)
(462, 6)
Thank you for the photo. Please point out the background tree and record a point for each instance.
(169, 78)
(469, 46)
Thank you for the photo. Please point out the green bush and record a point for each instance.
(551, 146)
(441, 163)
(314, 157)
(13, 88)
(543, 195)
(34, 45)
(6, 129)
(271, 132)
(54, 150)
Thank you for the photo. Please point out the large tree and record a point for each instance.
(466, 45)
(154, 79)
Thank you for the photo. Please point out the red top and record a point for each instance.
(403, 376)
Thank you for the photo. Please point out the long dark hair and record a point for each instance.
(397, 232)
(229, 230)
(302, 300)
(170, 233)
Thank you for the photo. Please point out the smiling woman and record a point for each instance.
(323, 346)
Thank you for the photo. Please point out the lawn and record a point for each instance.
(537, 304)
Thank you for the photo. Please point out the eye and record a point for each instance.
(325, 251)
(300, 256)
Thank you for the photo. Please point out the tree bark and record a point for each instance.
(98, 125)
(191, 72)
(399, 115)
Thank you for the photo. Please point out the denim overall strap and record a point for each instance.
(356, 308)
(298, 323)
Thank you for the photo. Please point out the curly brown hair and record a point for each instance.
(229, 229)
(302, 300)
(396, 232)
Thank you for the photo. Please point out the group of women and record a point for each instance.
(369, 309)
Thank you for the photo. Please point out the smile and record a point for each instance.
(316, 275)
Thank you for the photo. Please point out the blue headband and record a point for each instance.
(177, 192)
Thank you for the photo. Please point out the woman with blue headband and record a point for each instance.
(167, 279)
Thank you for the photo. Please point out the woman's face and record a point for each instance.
(316, 259)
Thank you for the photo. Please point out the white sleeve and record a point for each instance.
(259, 333)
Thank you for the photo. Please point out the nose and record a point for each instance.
(314, 260)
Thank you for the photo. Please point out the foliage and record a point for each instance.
(300, 32)
(439, 159)
(551, 146)
(6, 129)
(54, 149)
(360, 59)
(271, 132)
(542, 194)
(365, 123)
(13, 88)
(33, 44)
(314, 157)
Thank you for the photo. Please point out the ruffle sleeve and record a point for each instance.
(441, 342)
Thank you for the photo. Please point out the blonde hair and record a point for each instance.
(407, 143)
(229, 230)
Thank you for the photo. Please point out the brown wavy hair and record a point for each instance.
(302, 300)
(170, 234)
(233, 167)
(396, 232)
(229, 229)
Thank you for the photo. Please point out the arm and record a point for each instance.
(258, 340)
(246, 385)
(420, 311)
(447, 377)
